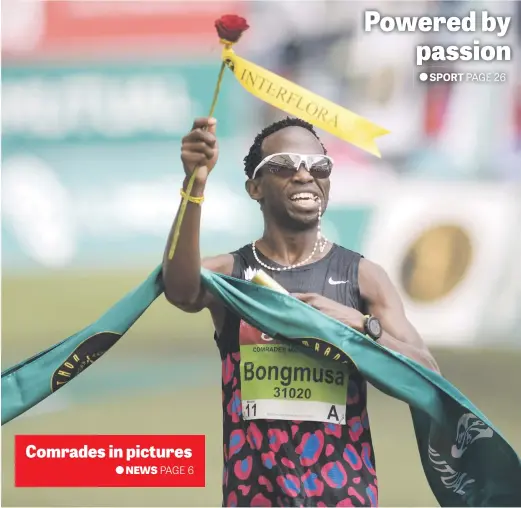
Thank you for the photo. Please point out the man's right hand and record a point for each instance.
(199, 150)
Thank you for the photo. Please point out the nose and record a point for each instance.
(302, 175)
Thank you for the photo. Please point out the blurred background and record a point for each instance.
(96, 97)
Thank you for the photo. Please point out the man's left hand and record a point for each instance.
(347, 315)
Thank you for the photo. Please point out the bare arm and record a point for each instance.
(182, 274)
(385, 304)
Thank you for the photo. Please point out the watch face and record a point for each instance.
(374, 327)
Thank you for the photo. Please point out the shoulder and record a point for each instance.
(223, 263)
(373, 280)
(371, 270)
(228, 264)
(346, 256)
(347, 259)
(344, 251)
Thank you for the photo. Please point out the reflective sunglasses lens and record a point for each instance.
(319, 166)
(285, 160)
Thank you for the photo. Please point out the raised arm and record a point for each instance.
(182, 274)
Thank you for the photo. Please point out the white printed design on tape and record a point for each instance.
(469, 429)
(453, 480)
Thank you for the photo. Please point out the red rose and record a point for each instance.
(230, 27)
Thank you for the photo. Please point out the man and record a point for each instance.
(283, 449)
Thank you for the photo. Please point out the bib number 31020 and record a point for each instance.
(279, 381)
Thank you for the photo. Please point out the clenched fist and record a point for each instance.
(199, 149)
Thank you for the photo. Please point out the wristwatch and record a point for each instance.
(372, 327)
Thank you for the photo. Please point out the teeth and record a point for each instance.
(302, 195)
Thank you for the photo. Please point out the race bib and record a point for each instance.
(280, 382)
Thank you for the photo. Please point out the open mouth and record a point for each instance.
(304, 197)
(305, 202)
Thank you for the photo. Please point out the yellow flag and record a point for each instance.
(302, 103)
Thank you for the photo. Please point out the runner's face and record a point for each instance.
(277, 191)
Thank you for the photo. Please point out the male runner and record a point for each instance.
(301, 437)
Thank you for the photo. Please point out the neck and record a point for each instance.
(287, 247)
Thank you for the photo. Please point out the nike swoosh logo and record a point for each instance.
(335, 282)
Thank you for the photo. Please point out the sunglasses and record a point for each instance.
(285, 164)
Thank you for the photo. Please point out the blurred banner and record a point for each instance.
(449, 248)
(91, 163)
(115, 102)
(80, 29)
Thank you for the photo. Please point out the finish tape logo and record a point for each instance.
(323, 348)
(84, 355)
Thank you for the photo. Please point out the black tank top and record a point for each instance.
(279, 462)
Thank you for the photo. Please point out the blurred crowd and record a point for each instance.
(450, 131)
(322, 46)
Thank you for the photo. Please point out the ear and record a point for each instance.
(254, 189)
